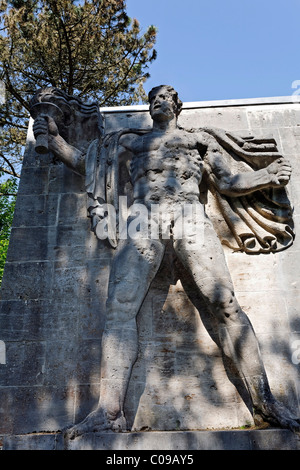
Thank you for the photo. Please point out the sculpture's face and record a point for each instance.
(162, 106)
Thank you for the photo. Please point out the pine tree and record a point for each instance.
(88, 48)
(7, 205)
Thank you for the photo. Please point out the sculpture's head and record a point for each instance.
(164, 102)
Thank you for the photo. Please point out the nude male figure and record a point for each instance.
(166, 167)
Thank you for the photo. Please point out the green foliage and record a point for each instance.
(7, 204)
(88, 48)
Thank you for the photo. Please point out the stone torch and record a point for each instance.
(45, 109)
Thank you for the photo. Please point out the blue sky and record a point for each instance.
(223, 49)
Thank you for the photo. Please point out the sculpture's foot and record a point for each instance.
(276, 414)
(96, 421)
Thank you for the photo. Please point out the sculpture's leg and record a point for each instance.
(134, 267)
(207, 265)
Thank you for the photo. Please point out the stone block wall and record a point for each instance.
(52, 308)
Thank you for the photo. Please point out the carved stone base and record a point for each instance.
(266, 439)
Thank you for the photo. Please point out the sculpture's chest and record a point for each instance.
(165, 143)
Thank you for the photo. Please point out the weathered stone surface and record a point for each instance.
(193, 440)
(52, 310)
(149, 442)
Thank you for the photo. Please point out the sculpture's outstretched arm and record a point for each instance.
(71, 156)
(277, 174)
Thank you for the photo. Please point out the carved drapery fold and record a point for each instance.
(261, 222)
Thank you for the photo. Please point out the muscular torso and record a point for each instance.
(165, 167)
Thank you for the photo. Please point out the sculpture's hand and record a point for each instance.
(44, 124)
(46, 133)
(280, 172)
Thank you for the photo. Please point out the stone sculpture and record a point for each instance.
(170, 170)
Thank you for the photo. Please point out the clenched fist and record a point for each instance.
(280, 172)
(44, 124)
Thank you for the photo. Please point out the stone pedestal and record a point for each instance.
(176, 441)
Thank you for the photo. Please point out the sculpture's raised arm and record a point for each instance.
(45, 125)
(64, 125)
(276, 174)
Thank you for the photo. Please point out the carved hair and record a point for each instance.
(52, 94)
(82, 122)
(169, 90)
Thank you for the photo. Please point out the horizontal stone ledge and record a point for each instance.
(255, 439)
(291, 99)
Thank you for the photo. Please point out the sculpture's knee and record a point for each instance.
(228, 308)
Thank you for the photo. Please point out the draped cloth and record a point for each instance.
(102, 181)
(260, 222)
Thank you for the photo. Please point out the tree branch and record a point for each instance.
(12, 171)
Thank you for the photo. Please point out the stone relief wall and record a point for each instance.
(55, 285)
